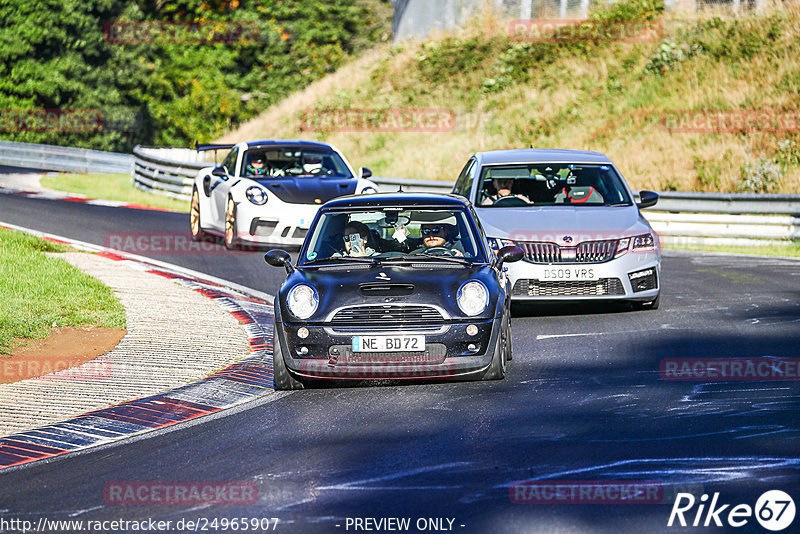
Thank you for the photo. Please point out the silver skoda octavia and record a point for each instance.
(574, 217)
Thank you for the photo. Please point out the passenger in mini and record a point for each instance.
(502, 187)
(439, 238)
(355, 237)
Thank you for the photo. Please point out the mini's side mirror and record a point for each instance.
(647, 199)
(509, 254)
(279, 258)
(364, 172)
(220, 171)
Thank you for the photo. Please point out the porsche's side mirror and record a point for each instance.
(220, 171)
(279, 258)
(647, 199)
(509, 254)
(364, 172)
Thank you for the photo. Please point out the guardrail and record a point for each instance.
(61, 158)
(166, 171)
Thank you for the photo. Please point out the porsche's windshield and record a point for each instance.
(386, 234)
(553, 184)
(293, 161)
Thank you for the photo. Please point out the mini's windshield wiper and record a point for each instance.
(343, 259)
(411, 257)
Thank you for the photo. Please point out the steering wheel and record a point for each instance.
(510, 201)
(439, 251)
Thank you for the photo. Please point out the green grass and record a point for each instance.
(38, 292)
(111, 187)
(792, 251)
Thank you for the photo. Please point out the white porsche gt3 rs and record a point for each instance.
(268, 192)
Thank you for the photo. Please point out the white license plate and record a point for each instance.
(388, 343)
(558, 274)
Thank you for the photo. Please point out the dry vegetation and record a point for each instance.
(599, 95)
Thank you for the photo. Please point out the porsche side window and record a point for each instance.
(230, 160)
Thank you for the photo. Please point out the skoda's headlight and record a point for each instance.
(472, 298)
(302, 301)
(256, 195)
(643, 241)
(368, 190)
(497, 243)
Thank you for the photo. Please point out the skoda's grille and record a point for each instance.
(568, 288)
(586, 252)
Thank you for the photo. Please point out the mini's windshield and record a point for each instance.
(293, 161)
(418, 234)
(554, 184)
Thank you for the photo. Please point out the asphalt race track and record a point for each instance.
(584, 402)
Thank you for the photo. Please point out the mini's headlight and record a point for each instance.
(643, 241)
(472, 298)
(369, 190)
(302, 301)
(256, 195)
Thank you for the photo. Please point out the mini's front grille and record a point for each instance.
(433, 353)
(568, 288)
(386, 314)
(586, 252)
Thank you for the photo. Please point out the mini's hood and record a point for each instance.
(438, 286)
(552, 223)
(308, 189)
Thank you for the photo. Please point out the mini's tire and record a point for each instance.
(196, 229)
(497, 369)
(283, 379)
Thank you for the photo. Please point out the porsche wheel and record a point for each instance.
(283, 380)
(194, 217)
(230, 225)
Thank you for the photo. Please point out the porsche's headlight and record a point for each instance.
(302, 301)
(369, 190)
(256, 195)
(472, 298)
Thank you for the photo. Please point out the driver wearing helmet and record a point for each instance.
(256, 167)
(437, 238)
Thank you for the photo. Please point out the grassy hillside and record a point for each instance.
(590, 94)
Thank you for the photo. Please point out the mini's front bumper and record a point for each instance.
(632, 276)
(326, 352)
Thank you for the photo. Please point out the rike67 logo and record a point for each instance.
(774, 510)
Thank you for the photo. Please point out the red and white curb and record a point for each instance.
(249, 378)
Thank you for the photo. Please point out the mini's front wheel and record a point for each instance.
(283, 379)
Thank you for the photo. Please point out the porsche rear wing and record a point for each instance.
(201, 148)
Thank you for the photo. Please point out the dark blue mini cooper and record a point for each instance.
(393, 286)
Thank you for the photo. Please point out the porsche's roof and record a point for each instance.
(284, 142)
(540, 155)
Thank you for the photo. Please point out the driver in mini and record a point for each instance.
(256, 167)
(438, 236)
(503, 187)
